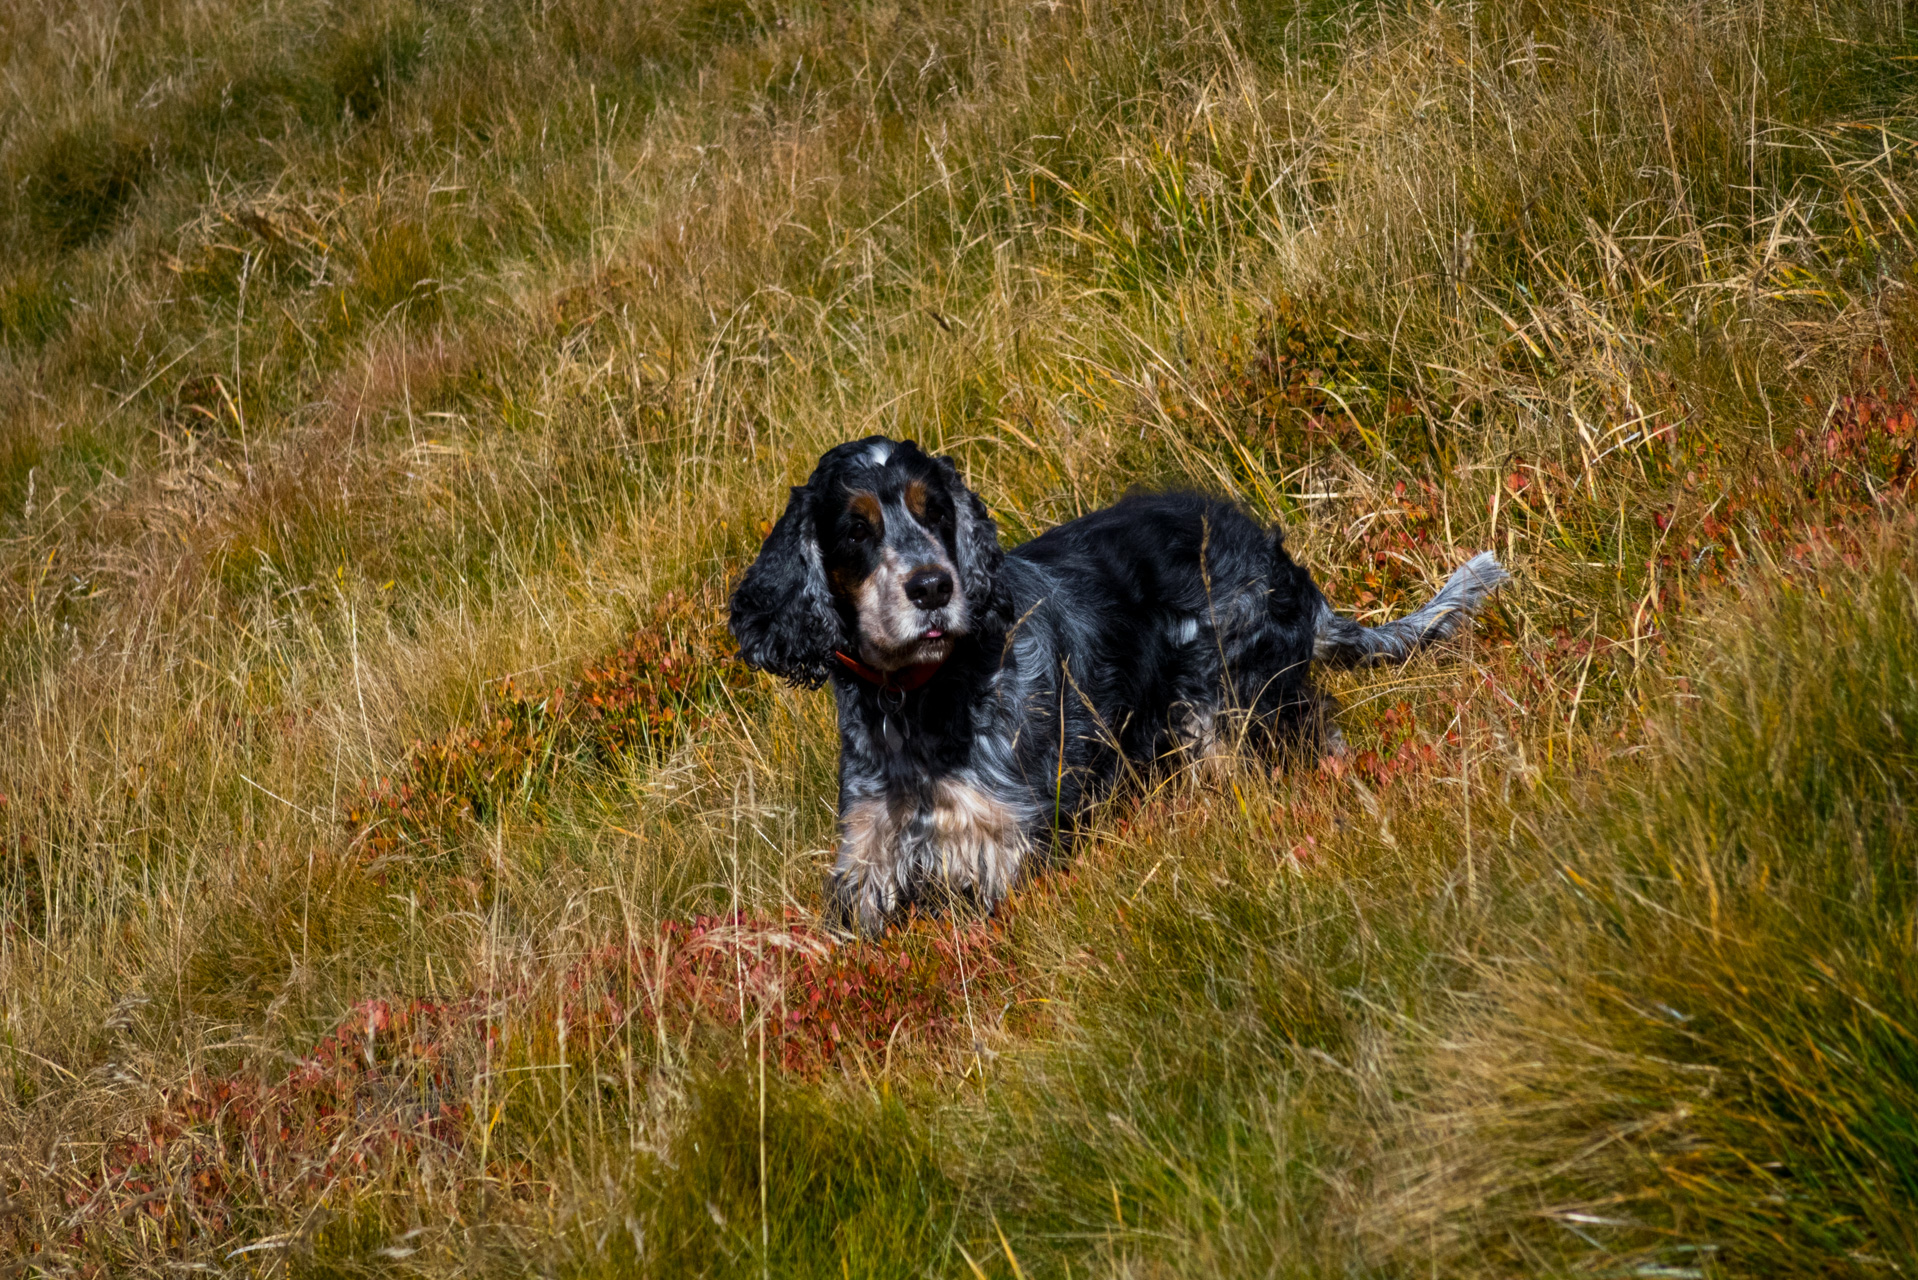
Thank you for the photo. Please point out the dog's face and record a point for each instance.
(887, 525)
(883, 554)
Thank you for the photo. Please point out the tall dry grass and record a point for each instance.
(371, 372)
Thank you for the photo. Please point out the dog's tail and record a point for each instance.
(1345, 643)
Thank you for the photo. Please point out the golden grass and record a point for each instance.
(372, 371)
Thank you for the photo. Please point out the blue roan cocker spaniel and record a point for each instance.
(987, 698)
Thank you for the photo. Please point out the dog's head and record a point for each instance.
(884, 555)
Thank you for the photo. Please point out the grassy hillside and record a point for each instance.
(397, 875)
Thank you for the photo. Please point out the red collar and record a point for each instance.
(904, 680)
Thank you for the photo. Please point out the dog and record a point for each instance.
(987, 698)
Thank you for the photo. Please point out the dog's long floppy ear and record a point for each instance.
(977, 539)
(782, 610)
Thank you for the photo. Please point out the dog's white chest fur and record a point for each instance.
(958, 838)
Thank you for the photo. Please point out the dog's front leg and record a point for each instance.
(867, 887)
(980, 841)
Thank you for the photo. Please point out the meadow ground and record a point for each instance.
(397, 875)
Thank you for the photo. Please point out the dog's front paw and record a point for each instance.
(866, 889)
(861, 902)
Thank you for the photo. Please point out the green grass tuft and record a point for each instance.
(1714, 1055)
(791, 1182)
(81, 178)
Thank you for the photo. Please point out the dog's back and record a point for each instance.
(1167, 609)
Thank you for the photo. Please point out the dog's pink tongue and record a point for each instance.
(933, 633)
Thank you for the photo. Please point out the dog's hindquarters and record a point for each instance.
(1345, 643)
(1268, 666)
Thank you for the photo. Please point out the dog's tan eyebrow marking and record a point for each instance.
(916, 498)
(866, 505)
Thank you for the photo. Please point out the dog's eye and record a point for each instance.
(858, 531)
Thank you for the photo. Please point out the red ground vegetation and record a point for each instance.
(644, 697)
(398, 1080)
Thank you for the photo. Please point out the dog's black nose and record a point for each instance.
(929, 588)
